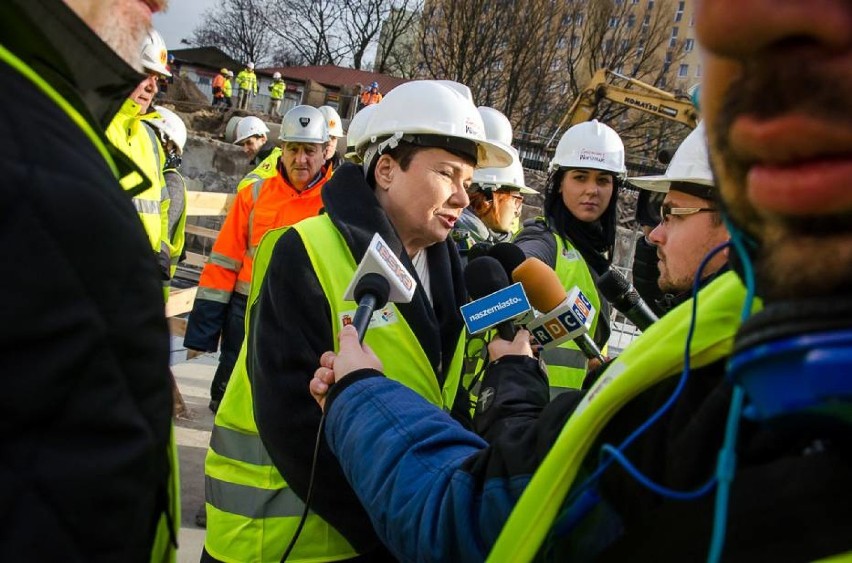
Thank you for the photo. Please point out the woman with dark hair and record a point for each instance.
(576, 235)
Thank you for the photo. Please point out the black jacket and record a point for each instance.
(291, 329)
(86, 402)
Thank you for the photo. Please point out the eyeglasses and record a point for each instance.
(517, 198)
(666, 211)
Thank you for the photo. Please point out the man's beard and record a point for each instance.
(125, 40)
(797, 255)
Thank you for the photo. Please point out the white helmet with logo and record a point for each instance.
(154, 53)
(332, 120)
(304, 124)
(355, 132)
(690, 164)
(250, 126)
(250, 66)
(497, 126)
(171, 126)
(506, 178)
(432, 114)
(276, 76)
(592, 145)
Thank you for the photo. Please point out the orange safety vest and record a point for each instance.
(219, 82)
(268, 204)
(368, 98)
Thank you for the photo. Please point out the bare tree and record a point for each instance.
(308, 28)
(531, 59)
(398, 40)
(238, 27)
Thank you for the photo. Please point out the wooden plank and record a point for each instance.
(208, 203)
(180, 301)
(177, 326)
(195, 259)
(202, 231)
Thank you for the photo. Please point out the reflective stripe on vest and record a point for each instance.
(653, 357)
(251, 513)
(566, 365)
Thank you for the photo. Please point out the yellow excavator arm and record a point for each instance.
(638, 95)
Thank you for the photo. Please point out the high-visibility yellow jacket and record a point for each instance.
(276, 89)
(247, 80)
(266, 169)
(251, 512)
(140, 144)
(227, 88)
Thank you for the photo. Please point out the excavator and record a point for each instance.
(637, 95)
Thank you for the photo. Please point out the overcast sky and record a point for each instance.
(183, 16)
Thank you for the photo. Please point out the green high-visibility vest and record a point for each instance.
(251, 512)
(566, 364)
(276, 90)
(656, 355)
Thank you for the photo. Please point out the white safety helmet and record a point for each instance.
(508, 177)
(304, 124)
(276, 76)
(170, 125)
(250, 126)
(250, 66)
(690, 164)
(155, 56)
(497, 126)
(444, 117)
(355, 131)
(332, 121)
(592, 145)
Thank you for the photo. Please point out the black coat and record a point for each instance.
(291, 329)
(86, 401)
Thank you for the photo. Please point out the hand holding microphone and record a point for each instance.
(352, 356)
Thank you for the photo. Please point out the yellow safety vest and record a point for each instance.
(227, 88)
(566, 364)
(276, 90)
(247, 80)
(266, 169)
(251, 512)
(163, 549)
(139, 143)
(653, 357)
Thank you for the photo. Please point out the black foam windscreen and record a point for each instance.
(373, 284)
(484, 276)
(509, 256)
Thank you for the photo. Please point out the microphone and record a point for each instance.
(496, 302)
(478, 250)
(566, 316)
(379, 278)
(371, 293)
(509, 255)
(626, 299)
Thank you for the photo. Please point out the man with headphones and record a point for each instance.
(729, 436)
(690, 223)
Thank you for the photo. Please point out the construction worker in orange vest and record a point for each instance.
(293, 194)
(371, 96)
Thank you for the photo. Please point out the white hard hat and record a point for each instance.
(690, 164)
(332, 121)
(250, 66)
(355, 131)
(154, 53)
(276, 76)
(171, 126)
(508, 177)
(304, 124)
(250, 126)
(430, 113)
(497, 126)
(592, 145)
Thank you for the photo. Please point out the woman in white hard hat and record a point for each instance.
(496, 194)
(576, 236)
(410, 190)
